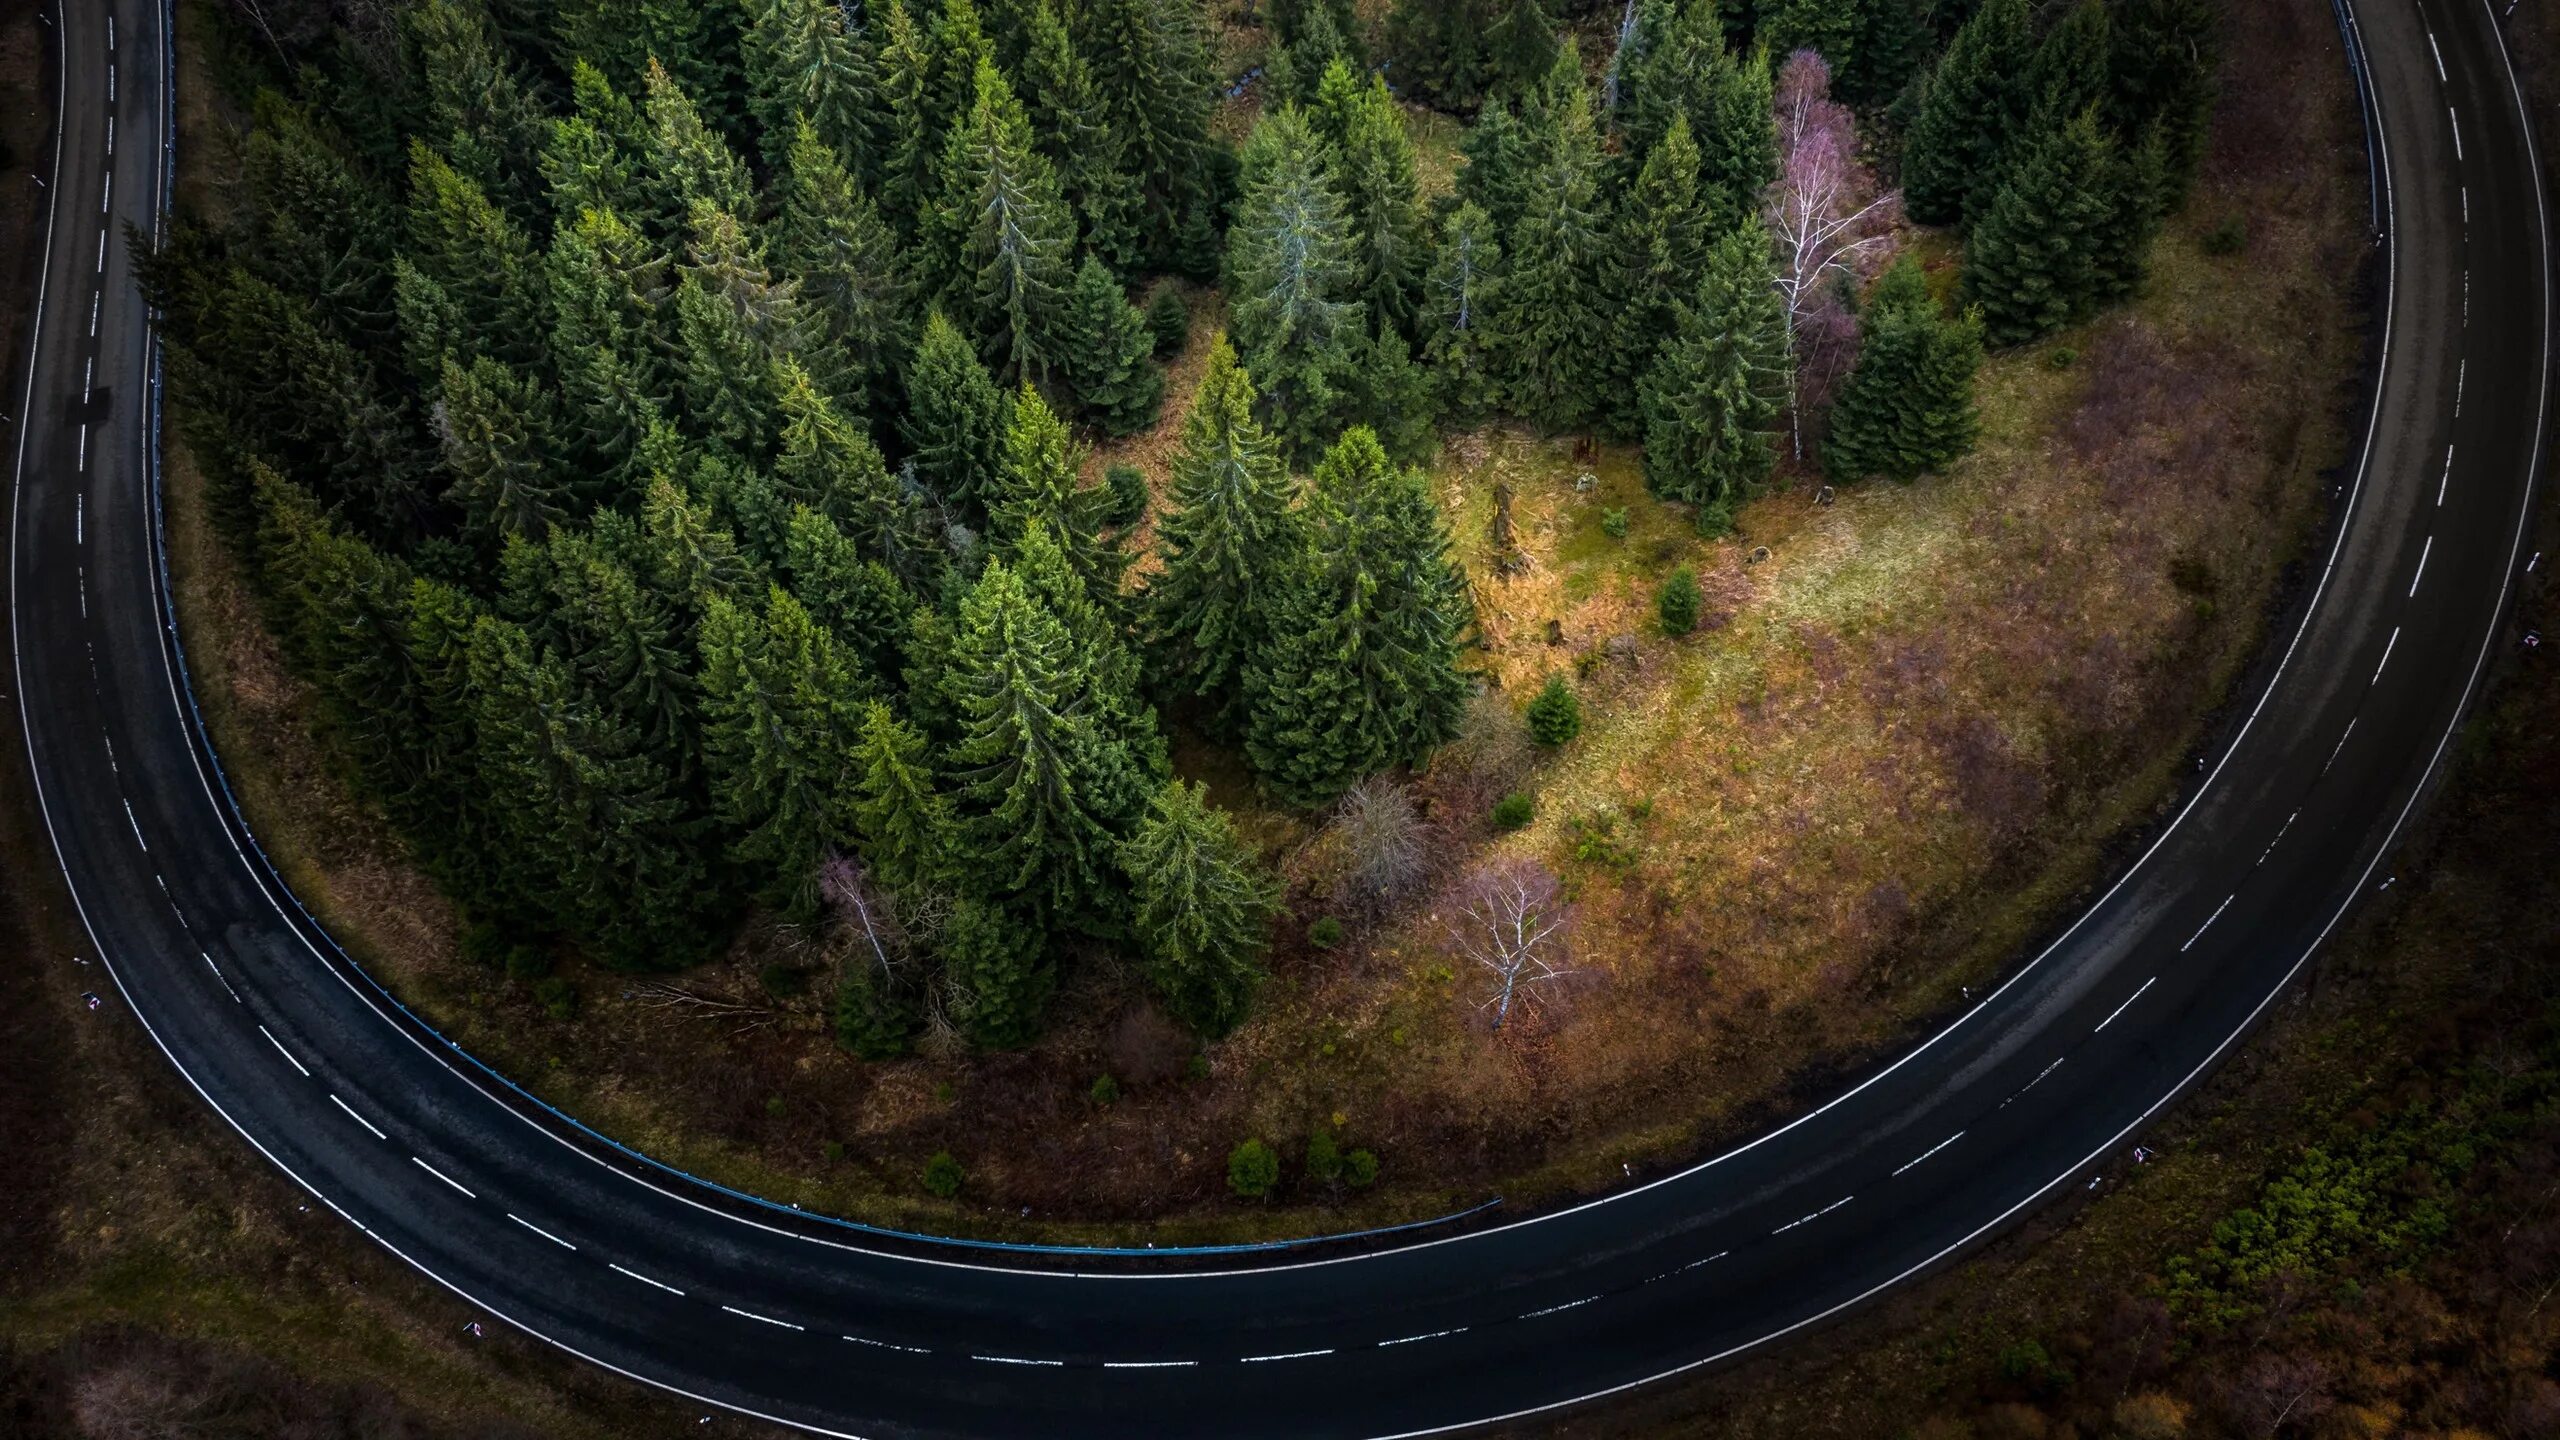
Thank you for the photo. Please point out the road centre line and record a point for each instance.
(1434, 1335)
(2456, 118)
(888, 1345)
(1932, 1150)
(2136, 995)
(2030, 1085)
(2387, 647)
(449, 1180)
(2423, 552)
(1825, 1210)
(2431, 44)
(767, 1319)
(1147, 1364)
(272, 1040)
(1284, 1355)
(2446, 479)
(2341, 745)
(1003, 1359)
(352, 1115)
(538, 1230)
(643, 1279)
(1554, 1309)
(2207, 925)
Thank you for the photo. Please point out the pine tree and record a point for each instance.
(2069, 72)
(500, 434)
(999, 966)
(1438, 48)
(1555, 310)
(904, 822)
(1290, 277)
(477, 102)
(1152, 66)
(1522, 41)
(479, 258)
(1043, 794)
(601, 840)
(955, 420)
(1977, 99)
(1893, 42)
(1203, 908)
(1711, 403)
(1460, 302)
(825, 462)
(1071, 129)
(1008, 234)
(1053, 571)
(860, 600)
(851, 275)
(912, 150)
(807, 64)
(958, 48)
(1394, 397)
(1554, 715)
(732, 318)
(1908, 406)
(1738, 140)
(2032, 261)
(1107, 361)
(1374, 169)
(779, 717)
(1360, 669)
(689, 558)
(1665, 232)
(1495, 178)
(2162, 69)
(1228, 540)
(1036, 483)
(2141, 189)
(622, 642)
(689, 164)
(1828, 28)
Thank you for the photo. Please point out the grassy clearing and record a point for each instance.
(1899, 741)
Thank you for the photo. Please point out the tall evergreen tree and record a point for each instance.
(807, 63)
(1203, 908)
(779, 727)
(1665, 230)
(1360, 669)
(1893, 43)
(1828, 28)
(1108, 361)
(1001, 972)
(1037, 484)
(912, 152)
(1374, 168)
(478, 103)
(500, 434)
(1152, 65)
(851, 274)
(1555, 309)
(825, 462)
(1711, 403)
(2032, 261)
(622, 643)
(1229, 539)
(2162, 75)
(592, 827)
(1977, 99)
(1290, 279)
(478, 257)
(955, 419)
(1522, 40)
(860, 600)
(690, 165)
(1008, 234)
(1438, 49)
(1043, 794)
(1907, 407)
(1460, 303)
(904, 822)
(1072, 129)
(733, 319)
(1495, 178)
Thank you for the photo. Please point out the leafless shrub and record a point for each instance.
(1381, 836)
(1513, 921)
(131, 1402)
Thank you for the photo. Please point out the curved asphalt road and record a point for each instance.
(667, 1283)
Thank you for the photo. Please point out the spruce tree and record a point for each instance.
(1202, 908)
(1554, 714)
(904, 822)
(911, 152)
(1711, 403)
(779, 710)
(1977, 98)
(1460, 302)
(1828, 28)
(955, 419)
(2162, 76)
(1008, 236)
(1360, 668)
(602, 841)
(690, 165)
(1072, 130)
(1042, 792)
(999, 967)
(875, 1015)
(806, 64)
(2141, 188)
(852, 277)
(1495, 178)
(2032, 262)
(500, 437)
(1665, 230)
(1438, 49)
(732, 319)
(1893, 43)
(479, 258)
(1555, 310)
(860, 600)
(1290, 279)
(1907, 407)
(1374, 169)
(1738, 139)
(825, 462)
(1228, 540)
(1037, 483)
(1109, 346)
(478, 103)
(1152, 66)
(1522, 42)
(622, 642)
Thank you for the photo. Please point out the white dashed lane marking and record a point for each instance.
(352, 1115)
(538, 1230)
(272, 1040)
(2136, 995)
(643, 1279)
(1932, 1150)
(449, 1180)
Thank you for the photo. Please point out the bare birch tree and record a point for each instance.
(1511, 922)
(1825, 217)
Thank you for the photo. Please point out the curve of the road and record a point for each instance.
(680, 1287)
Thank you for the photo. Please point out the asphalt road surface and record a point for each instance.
(684, 1288)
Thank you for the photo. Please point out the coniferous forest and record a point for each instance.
(658, 432)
